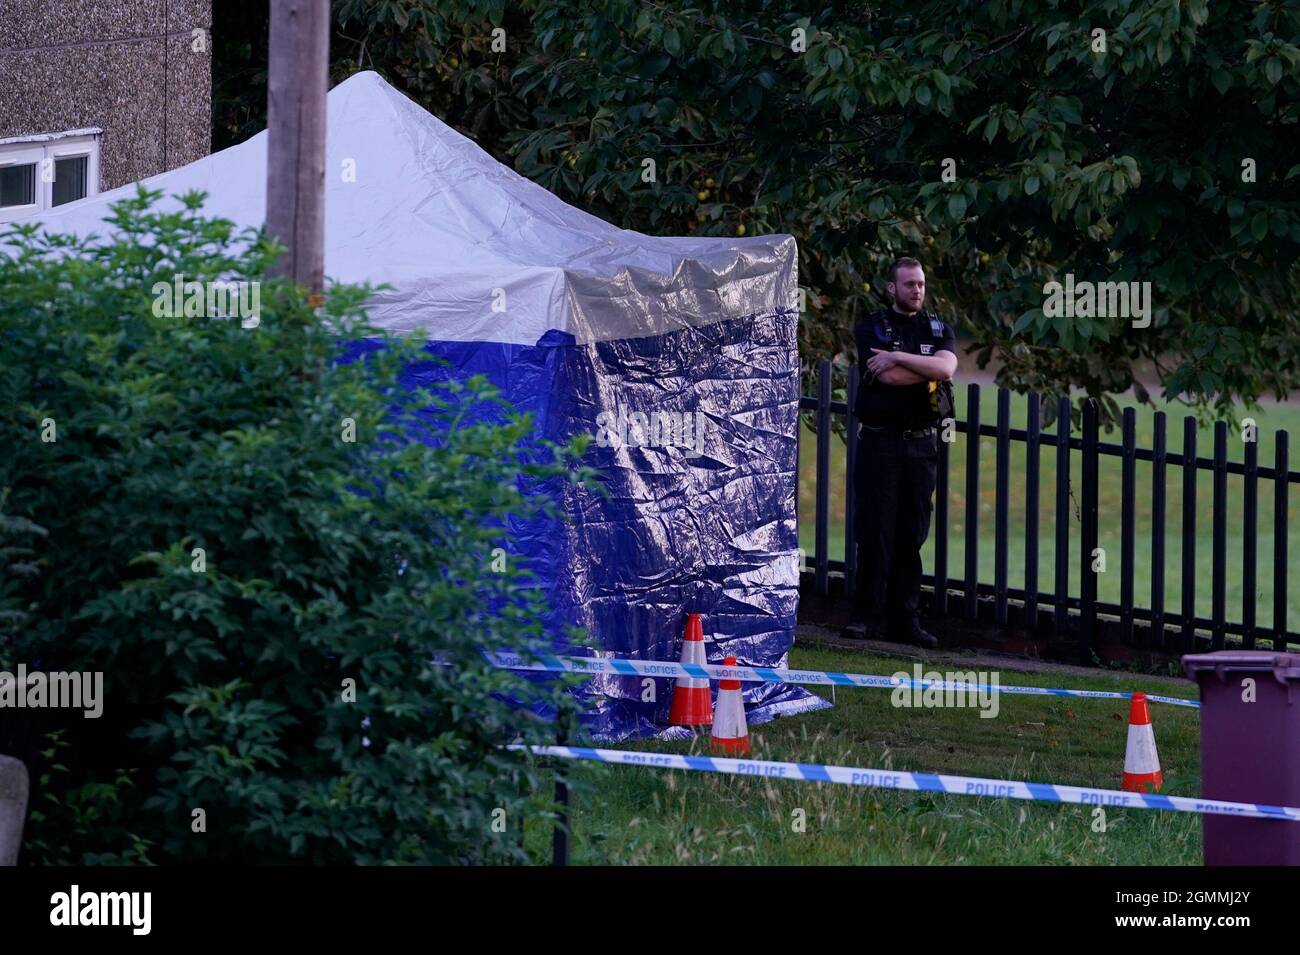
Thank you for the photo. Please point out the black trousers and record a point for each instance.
(894, 485)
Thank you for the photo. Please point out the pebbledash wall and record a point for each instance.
(135, 70)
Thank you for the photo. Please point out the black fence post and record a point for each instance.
(1062, 586)
(941, 520)
(850, 477)
(1189, 533)
(1281, 484)
(972, 499)
(1088, 549)
(1159, 457)
(1032, 434)
(1127, 524)
(1219, 572)
(823, 476)
(1003, 505)
(1250, 524)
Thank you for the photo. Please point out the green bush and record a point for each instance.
(216, 546)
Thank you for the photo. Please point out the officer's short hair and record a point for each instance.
(906, 262)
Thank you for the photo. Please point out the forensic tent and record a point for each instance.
(677, 355)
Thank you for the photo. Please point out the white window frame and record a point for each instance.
(43, 150)
(23, 156)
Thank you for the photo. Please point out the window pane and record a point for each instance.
(70, 179)
(18, 185)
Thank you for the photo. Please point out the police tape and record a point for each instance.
(920, 782)
(618, 666)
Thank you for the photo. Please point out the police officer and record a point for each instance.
(907, 358)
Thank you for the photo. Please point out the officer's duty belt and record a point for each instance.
(905, 435)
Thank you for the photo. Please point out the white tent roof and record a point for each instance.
(446, 225)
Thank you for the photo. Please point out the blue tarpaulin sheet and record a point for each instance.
(698, 510)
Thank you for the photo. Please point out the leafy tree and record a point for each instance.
(286, 594)
(240, 51)
(1123, 165)
(17, 561)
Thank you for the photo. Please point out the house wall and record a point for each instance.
(134, 68)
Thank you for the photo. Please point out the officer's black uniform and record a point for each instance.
(898, 456)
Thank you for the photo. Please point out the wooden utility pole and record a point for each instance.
(297, 78)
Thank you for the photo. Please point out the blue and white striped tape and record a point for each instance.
(616, 666)
(920, 782)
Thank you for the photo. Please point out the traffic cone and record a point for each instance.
(729, 730)
(1141, 764)
(691, 704)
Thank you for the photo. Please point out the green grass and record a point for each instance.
(635, 815)
(1269, 419)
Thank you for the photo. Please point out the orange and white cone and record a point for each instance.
(1141, 764)
(730, 734)
(691, 703)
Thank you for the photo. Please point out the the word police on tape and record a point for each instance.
(921, 782)
(619, 666)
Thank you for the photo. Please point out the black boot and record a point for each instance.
(868, 630)
(912, 632)
(923, 638)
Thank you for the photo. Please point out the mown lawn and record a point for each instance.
(1269, 420)
(634, 815)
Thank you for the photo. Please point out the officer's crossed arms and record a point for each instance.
(902, 368)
